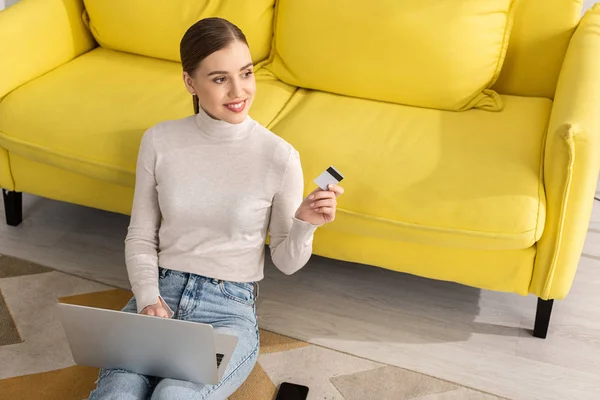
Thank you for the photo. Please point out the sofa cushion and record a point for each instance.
(470, 179)
(539, 39)
(426, 53)
(88, 116)
(155, 28)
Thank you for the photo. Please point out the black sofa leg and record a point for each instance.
(542, 318)
(13, 207)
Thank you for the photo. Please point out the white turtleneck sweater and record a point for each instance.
(206, 193)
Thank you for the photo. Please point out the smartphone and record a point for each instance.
(291, 391)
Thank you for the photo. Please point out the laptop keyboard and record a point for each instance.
(219, 359)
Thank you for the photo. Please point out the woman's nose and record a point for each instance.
(235, 90)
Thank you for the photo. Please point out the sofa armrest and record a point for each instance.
(37, 36)
(571, 162)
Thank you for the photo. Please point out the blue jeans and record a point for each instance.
(228, 306)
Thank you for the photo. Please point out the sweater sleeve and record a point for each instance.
(290, 238)
(141, 243)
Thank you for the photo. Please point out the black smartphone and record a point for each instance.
(291, 391)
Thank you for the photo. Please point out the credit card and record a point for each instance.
(330, 176)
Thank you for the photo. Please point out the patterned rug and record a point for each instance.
(36, 363)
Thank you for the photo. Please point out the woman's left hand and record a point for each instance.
(319, 206)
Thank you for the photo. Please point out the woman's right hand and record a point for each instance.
(156, 310)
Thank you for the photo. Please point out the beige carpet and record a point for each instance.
(37, 364)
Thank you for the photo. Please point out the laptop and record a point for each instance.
(161, 347)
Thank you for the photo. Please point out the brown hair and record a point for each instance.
(204, 38)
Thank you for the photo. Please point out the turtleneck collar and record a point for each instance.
(221, 130)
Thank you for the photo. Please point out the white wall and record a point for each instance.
(587, 4)
(6, 3)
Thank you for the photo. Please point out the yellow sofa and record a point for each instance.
(469, 137)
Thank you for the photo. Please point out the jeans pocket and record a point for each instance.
(163, 273)
(238, 291)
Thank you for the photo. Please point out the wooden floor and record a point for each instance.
(476, 338)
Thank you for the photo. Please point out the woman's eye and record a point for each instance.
(219, 80)
(247, 74)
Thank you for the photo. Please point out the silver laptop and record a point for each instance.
(162, 347)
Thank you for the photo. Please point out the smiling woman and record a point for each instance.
(208, 189)
(218, 69)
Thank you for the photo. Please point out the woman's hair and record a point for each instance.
(204, 38)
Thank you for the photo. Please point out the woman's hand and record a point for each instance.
(156, 310)
(320, 205)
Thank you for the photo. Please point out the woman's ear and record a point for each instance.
(189, 83)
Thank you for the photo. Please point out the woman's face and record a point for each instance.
(224, 82)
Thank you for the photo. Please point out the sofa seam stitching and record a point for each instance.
(567, 188)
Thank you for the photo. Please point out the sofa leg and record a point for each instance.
(13, 207)
(542, 318)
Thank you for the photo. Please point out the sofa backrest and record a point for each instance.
(154, 28)
(538, 40)
(442, 54)
(541, 33)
